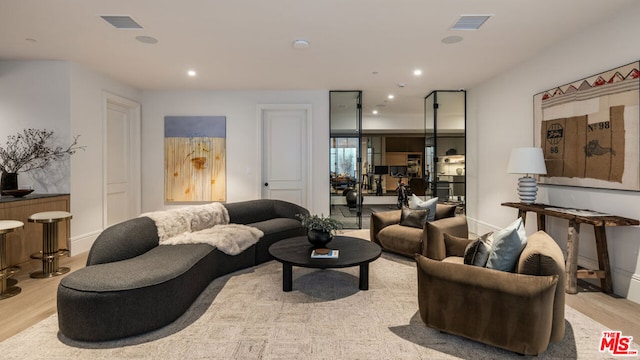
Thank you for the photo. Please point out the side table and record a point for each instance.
(577, 217)
(6, 288)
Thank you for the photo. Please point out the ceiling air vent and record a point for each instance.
(470, 22)
(122, 22)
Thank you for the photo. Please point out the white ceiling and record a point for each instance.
(247, 44)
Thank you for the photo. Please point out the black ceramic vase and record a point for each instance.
(319, 238)
(9, 181)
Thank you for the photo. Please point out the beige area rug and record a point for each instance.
(246, 315)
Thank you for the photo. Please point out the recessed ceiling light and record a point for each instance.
(401, 85)
(375, 112)
(452, 39)
(417, 72)
(390, 96)
(300, 44)
(191, 73)
(147, 39)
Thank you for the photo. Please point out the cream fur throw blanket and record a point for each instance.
(208, 224)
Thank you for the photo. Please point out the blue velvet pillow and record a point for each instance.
(416, 203)
(506, 246)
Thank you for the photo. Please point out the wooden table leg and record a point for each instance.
(603, 258)
(571, 267)
(522, 214)
(542, 223)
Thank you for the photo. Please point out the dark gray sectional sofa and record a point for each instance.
(131, 285)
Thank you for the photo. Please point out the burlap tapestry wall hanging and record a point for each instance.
(589, 130)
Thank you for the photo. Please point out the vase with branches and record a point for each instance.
(29, 150)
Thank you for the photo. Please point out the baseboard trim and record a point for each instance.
(82, 243)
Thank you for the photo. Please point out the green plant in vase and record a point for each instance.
(320, 229)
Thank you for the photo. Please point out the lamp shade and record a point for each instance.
(526, 160)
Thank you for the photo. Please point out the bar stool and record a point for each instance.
(7, 289)
(50, 252)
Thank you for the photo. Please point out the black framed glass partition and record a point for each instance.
(345, 156)
(445, 145)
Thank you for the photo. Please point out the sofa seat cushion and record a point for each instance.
(156, 266)
(276, 225)
(401, 239)
(454, 260)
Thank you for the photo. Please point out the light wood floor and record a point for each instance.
(37, 301)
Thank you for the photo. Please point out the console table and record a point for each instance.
(29, 240)
(577, 217)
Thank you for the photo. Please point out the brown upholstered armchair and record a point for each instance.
(520, 312)
(386, 231)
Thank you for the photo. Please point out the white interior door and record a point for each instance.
(121, 159)
(285, 153)
(118, 164)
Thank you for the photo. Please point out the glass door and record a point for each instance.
(346, 165)
(445, 145)
(429, 144)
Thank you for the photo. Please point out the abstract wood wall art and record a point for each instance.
(195, 158)
(589, 130)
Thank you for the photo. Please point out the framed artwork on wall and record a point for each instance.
(589, 130)
(195, 158)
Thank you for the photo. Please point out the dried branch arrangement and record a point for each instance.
(31, 150)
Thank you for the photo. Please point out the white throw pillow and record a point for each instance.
(415, 203)
(506, 246)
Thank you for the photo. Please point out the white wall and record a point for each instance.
(67, 98)
(35, 94)
(87, 89)
(243, 155)
(397, 123)
(500, 117)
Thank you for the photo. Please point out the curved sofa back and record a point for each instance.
(123, 241)
(136, 236)
(253, 211)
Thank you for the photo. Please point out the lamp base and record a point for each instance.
(527, 189)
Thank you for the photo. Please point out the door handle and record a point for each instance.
(266, 184)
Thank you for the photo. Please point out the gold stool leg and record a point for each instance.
(50, 253)
(7, 289)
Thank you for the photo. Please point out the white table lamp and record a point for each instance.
(528, 161)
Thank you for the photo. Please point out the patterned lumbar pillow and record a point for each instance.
(506, 246)
(414, 218)
(417, 203)
(477, 253)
